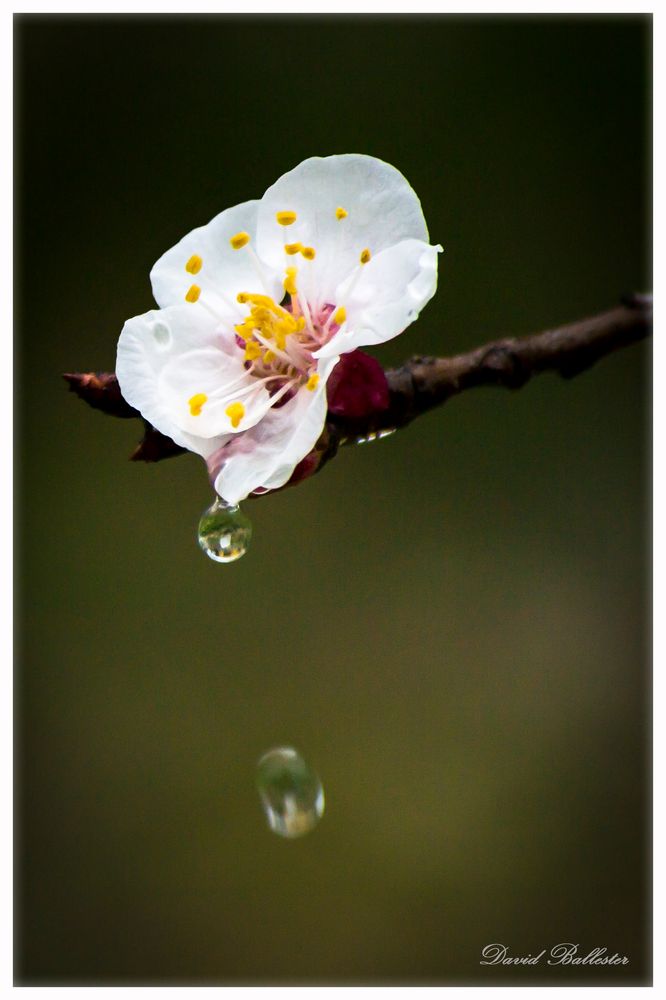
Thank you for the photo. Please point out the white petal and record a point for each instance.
(155, 340)
(387, 296)
(222, 379)
(224, 272)
(268, 453)
(382, 209)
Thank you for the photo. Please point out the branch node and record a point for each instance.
(502, 359)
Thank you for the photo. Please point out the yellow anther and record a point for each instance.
(194, 264)
(282, 331)
(286, 218)
(240, 240)
(261, 319)
(268, 319)
(252, 350)
(193, 293)
(292, 248)
(340, 315)
(365, 256)
(300, 324)
(289, 282)
(312, 382)
(308, 253)
(266, 302)
(235, 412)
(196, 402)
(268, 357)
(246, 328)
(341, 213)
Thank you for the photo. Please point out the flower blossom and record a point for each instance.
(257, 308)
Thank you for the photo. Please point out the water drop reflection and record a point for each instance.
(291, 793)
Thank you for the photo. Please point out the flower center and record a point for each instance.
(278, 340)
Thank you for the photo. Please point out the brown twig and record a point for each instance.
(423, 383)
(101, 391)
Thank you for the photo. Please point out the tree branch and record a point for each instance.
(423, 383)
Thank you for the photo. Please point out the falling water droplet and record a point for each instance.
(291, 793)
(224, 532)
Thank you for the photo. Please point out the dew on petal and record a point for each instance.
(224, 532)
(291, 792)
(162, 335)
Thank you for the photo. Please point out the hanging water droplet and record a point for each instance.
(291, 793)
(224, 532)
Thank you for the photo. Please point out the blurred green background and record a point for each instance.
(451, 624)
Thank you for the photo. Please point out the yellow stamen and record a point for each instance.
(365, 256)
(196, 402)
(266, 302)
(292, 248)
(261, 319)
(340, 315)
(246, 328)
(235, 412)
(193, 293)
(252, 350)
(311, 383)
(289, 282)
(269, 320)
(194, 264)
(282, 331)
(286, 218)
(341, 213)
(268, 357)
(240, 240)
(308, 253)
(263, 301)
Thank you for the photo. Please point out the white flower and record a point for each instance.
(257, 307)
